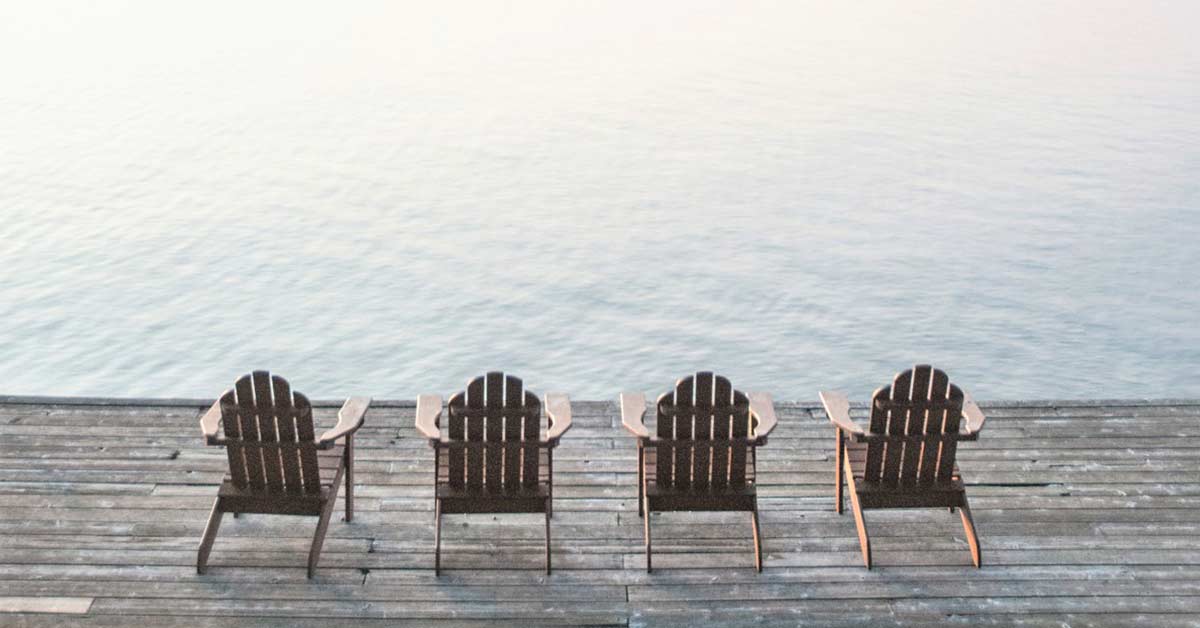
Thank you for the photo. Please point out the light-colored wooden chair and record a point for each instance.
(276, 464)
(703, 456)
(905, 458)
(494, 453)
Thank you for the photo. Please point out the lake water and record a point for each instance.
(389, 199)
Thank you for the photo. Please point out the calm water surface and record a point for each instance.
(388, 199)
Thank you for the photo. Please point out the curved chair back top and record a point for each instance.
(714, 423)
(269, 429)
(920, 402)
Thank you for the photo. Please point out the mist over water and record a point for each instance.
(389, 199)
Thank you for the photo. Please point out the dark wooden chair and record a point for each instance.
(703, 457)
(906, 456)
(492, 455)
(276, 464)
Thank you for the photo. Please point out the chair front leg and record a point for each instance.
(646, 532)
(437, 461)
(314, 552)
(348, 460)
(838, 480)
(210, 535)
(547, 539)
(641, 482)
(437, 537)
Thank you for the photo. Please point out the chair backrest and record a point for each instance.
(920, 402)
(269, 433)
(494, 409)
(704, 410)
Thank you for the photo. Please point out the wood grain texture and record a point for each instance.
(1088, 513)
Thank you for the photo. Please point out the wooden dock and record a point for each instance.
(1088, 514)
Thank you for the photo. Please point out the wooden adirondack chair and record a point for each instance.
(703, 457)
(905, 458)
(491, 456)
(276, 464)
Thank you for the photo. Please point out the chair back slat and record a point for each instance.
(913, 425)
(920, 402)
(721, 427)
(264, 409)
(739, 455)
(475, 400)
(285, 421)
(684, 391)
(702, 430)
(493, 410)
(248, 417)
(931, 446)
(233, 438)
(532, 433)
(704, 411)
(664, 455)
(494, 430)
(949, 419)
(270, 440)
(895, 423)
(456, 430)
(514, 398)
(307, 444)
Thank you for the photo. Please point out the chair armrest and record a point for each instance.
(838, 409)
(558, 407)
(350, 418)
(210, 423)
(633, 413)
(763, 409)
(429, 408)
(973, 415)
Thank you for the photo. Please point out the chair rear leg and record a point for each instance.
(969, 527)
(646, 529)
(210, 535)
(437, 537)
(860, 521)
(757, 540)
(864, 541)
(547, 540)
(314, 552)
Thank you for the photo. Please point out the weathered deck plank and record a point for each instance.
(1088, 514)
